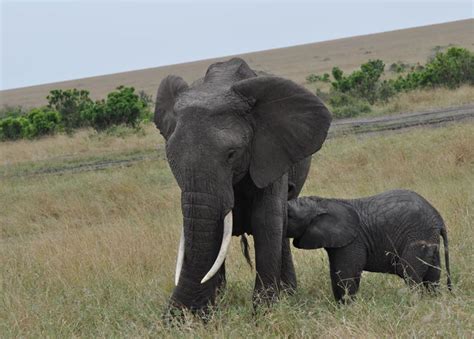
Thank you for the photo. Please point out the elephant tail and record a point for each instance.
(245, 249)
(444, 235)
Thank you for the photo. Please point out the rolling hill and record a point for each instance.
(408, 45)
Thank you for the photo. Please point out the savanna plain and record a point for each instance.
(91, 253)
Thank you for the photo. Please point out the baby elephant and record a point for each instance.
(393, 232)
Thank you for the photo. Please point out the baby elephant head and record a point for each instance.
(321, 223)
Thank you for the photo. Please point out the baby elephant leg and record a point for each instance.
(433, 274)
(345, 271)
(345, 284)
(416, 262)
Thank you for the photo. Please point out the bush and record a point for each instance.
(385, 91)
(398, 67)
(353, 94)
(70, 104)
(42, 121)
(315, 78)
(146, 115)
(12, 128)
(122, 106)
(361, 83)
(347, 106)
(38, 122)
(450, 69)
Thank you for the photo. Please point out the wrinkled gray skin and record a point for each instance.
(393, 232)
(241, 142)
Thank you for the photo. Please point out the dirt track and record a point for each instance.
(342, 127)
(401, 121)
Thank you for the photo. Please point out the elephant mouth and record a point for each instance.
(296, 242)
(224, 248)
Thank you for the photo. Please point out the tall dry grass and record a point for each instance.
(92, 254)
(425, 99)
(86, 142)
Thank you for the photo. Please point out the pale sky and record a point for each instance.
(44, 42)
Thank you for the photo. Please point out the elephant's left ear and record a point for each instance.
(170, 88)
(291, 123)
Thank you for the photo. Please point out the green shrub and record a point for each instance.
(353, 94)
(42, 121)
(122, 106)
(450, 69)
(38, 122)
(346, 106)
(12, 128)
(385, 91)
(146, 114)
(351, 111)
(399, 67)
(315, 78)
(361, 83)
(70, 103)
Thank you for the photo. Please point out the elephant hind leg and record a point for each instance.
(433, 274)
(414, 263)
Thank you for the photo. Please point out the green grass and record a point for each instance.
(92, 254)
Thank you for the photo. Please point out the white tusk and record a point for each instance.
(179, 261)
(227, 236)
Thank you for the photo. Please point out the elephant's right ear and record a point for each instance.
(170, 88)
(334, 226)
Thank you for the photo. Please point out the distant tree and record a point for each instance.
(122, 106)
(361, 83)
(70, 104)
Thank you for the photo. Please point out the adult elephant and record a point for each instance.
(239, 146)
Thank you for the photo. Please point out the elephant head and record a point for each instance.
(321, 223)
(226, 126)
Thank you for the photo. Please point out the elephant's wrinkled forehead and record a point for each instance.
(209, 100)
(212, 119)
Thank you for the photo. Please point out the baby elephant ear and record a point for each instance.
(170, 88)
(335, 227)
(290, 123)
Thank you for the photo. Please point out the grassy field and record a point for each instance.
(92, 254)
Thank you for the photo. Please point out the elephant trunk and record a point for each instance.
(204, 241)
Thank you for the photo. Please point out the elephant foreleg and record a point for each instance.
(267, 225)
(288, 275)
(222, 279)
(345, 267)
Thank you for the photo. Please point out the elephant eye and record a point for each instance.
(231, 155)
